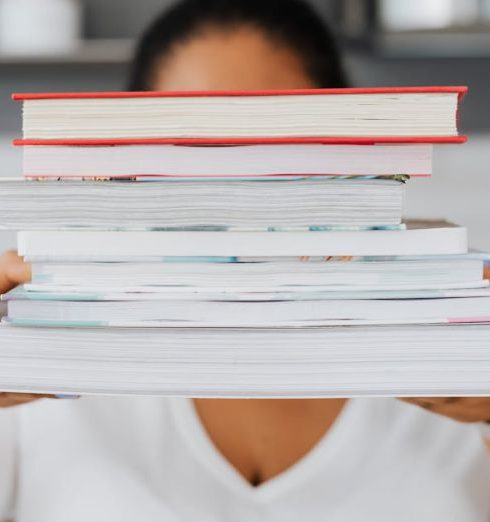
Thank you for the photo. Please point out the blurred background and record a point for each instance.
(77, 45)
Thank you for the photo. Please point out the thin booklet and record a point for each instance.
(419, 239)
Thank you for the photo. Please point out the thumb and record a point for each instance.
(486, 272)
(13, 271)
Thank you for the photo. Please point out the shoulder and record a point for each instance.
(93, 426)
(419, 429)
(433, 444)
(425, 466)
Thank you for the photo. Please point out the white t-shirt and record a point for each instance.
(149, 459)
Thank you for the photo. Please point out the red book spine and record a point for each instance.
(333, 140)
(460, 90)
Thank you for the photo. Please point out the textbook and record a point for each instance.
(262, 274)
(348, 361)
(374, 115)
(38, 309)
(227, 294)
(417, 239)
(239, 161)
(202, 204)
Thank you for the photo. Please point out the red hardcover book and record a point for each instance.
(329, 116)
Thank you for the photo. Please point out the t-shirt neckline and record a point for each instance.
(325, 451)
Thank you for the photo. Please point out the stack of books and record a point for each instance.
(239, 244)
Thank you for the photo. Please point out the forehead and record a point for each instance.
(235, 58)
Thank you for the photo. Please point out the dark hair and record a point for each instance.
(293, 22)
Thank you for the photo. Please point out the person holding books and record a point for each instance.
(178, 459)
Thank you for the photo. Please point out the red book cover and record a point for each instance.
(347, 140)
(342, 140)
(460, 90)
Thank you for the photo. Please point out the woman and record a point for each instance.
(239, 460)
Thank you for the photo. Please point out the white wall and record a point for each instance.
(458, 191)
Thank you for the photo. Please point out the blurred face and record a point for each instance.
(242, 58)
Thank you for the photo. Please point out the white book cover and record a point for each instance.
(358, 361)
(422, 239)
(228, 161)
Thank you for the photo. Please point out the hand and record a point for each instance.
(462, 409)
(13, 271)
(16, 399)
(486, 272)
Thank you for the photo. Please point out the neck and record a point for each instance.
(261, 438)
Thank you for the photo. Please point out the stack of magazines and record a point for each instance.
(235, 244)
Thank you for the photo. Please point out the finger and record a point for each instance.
(13, 271)
(35, 396)
(450, 406)
(462, 409)
(19, 273)
(12, 399)
(430, 403)
(432, 400)
(486, 272)
(25, 396)
(15, 402)
(16, 270)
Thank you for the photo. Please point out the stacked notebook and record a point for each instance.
(239, 244)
